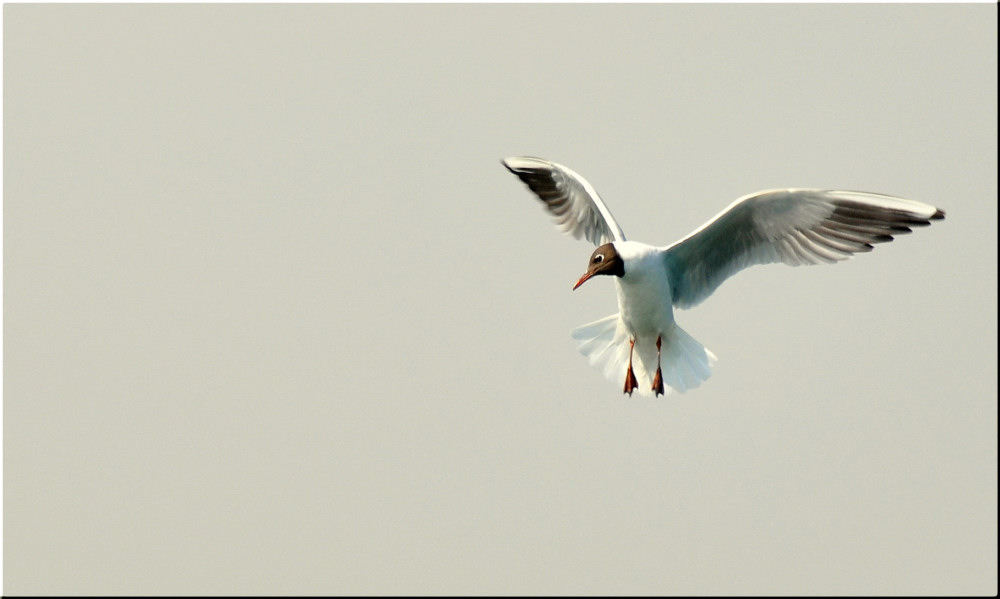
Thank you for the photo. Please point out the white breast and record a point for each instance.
(644, 293)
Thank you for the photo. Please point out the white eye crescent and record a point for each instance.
(599, 258)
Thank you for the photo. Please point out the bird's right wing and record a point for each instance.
(577, 208)
(794, 226)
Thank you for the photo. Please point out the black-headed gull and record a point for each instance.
(794, 226)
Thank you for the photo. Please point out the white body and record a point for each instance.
(644, 296)
(645, 314)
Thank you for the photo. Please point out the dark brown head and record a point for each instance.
(604, 261)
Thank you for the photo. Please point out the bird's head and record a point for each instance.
(604, 261)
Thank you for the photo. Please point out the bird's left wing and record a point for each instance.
(577, 208)
(794, 226)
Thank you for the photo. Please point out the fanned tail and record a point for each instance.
(684, 362)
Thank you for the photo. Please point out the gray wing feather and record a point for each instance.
(574, 204)
(793, 226)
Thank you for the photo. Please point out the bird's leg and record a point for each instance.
(658, 381)
(631, 383)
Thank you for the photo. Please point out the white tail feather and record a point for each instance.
(684, 362)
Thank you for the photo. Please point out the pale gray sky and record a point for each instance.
(277, 320)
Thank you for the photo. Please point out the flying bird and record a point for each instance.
(642, 344)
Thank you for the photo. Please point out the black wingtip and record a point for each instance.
(521, 165)
(939, 215)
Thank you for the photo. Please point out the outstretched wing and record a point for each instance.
(794, 226)
(577, 208)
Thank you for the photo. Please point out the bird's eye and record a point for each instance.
(598, 258)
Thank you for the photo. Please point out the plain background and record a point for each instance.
(277, 320)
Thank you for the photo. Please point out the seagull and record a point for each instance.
(642, 342)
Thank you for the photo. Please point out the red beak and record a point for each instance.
(582, 280)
